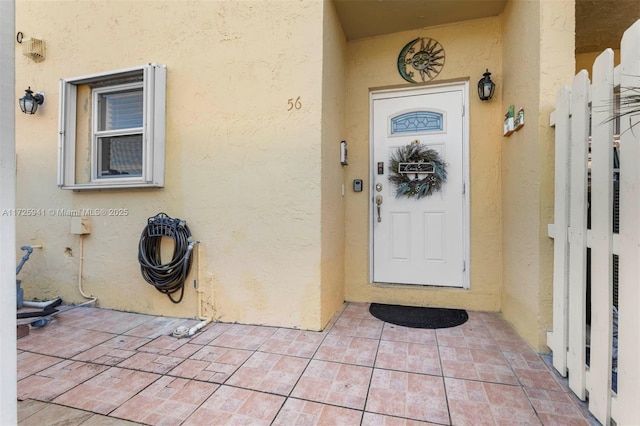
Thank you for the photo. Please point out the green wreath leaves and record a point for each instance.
(409, 184)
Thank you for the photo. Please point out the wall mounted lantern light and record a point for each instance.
(29, 102)
(486, 87)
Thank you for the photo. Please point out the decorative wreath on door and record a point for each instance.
(417, 171)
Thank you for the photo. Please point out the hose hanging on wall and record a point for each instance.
(167, 278)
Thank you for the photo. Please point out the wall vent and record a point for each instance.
(34, 48)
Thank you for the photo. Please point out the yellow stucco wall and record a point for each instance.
(244, 172)
(584, 61)
(538, 52)
(470, 47)
(261, 185)
(333, 117)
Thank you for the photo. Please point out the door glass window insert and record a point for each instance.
(417, 122)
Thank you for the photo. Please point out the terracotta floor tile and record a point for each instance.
(372, 419)
(273, 373)
(30, 363)
(105, 320)
(525, 361)
(212, 364)
(472, 327)
(332, 383)
(61, 341)
(501, 330)
(159, 326)
(474, 324)
(399, 333)
(100, 420)
(151, 363)
(334, 319)
(370, 328)
(348, 350)
(57, 379)
(239, 336)
(491, 375)
(515, 344)
(29, 407)
(52, 414)
(474, 336)
(478, 403)
(408, 395)
(487, 317)
(411, 357)
(555, 408)
(113, 351)
(298, 412)
(165, 345)
(538, 379)
(167, 401)
(476, 364)
(287, 341)
(171, 346)
(209, 333)
(107, 391)
(235, 406)
(486, 343)
(356, 310)
(555, 420)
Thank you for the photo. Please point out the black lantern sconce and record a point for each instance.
(486, 87)
(29, 102)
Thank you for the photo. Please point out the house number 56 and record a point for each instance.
(294, 104)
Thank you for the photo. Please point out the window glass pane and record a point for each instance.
(120, 110)
(417, 122)
(120, 156)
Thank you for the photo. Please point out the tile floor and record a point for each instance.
(101, 367)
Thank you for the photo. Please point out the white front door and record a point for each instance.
(420, 241)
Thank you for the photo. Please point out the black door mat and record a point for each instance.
(417, 317)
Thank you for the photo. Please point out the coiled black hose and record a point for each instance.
(167, 278)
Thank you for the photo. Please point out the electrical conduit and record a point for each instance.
(80, 269)
(188, 332)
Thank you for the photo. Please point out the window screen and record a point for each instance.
(120, 110)
(120, 156)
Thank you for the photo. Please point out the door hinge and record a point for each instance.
(463, 110)
(464, 188)
(464, 266)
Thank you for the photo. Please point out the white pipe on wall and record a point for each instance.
(8, 305)
(92, 299)
(188, 332)
(199, 292)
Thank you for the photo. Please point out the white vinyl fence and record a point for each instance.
(586, 182)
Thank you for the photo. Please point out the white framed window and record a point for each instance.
(112, 129)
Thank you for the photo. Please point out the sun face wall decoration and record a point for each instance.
(426, 58)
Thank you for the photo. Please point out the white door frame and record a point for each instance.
(427, 89)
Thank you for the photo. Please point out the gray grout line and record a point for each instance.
(373, 369)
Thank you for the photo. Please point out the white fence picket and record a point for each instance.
(567, 340)
(629, 272)
(576, 356)
(559, 337)
(602, 101)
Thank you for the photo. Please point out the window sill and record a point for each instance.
(110, 186)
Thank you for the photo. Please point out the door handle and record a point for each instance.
(379, 202)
